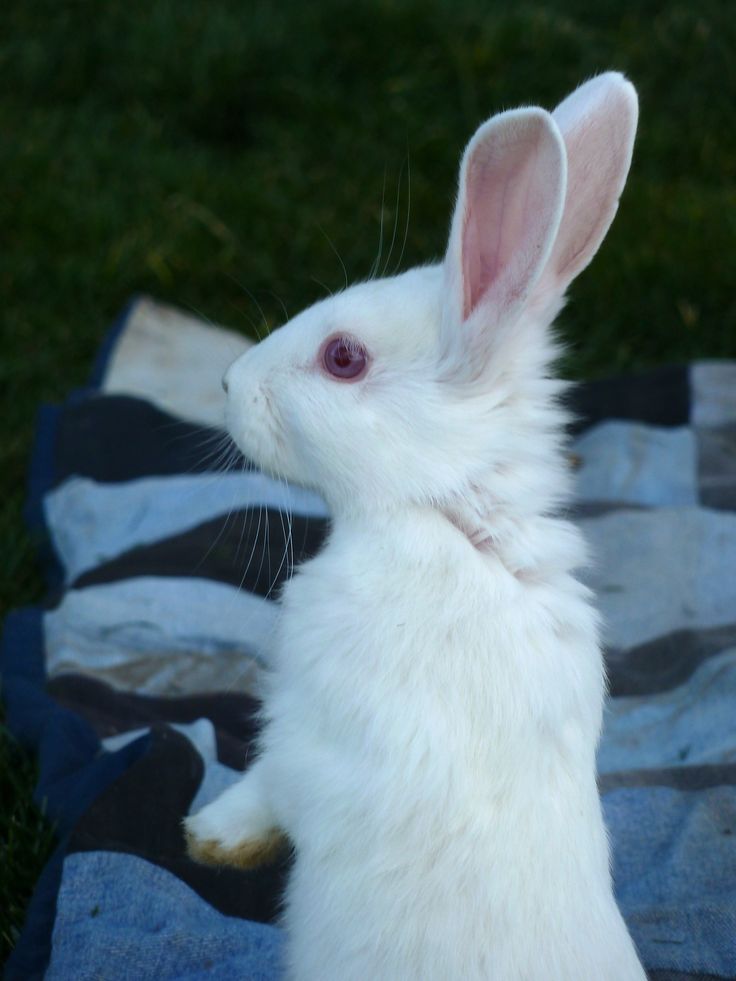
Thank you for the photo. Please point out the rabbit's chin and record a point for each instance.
(261, 443)
(265, 457)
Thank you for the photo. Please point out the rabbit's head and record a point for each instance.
(432, 387)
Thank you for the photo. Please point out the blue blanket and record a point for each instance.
(135, 682)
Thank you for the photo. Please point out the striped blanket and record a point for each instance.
(135, 682)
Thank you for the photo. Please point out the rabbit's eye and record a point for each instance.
(345, 358)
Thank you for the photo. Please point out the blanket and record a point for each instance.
(135, 682)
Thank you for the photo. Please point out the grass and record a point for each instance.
(218, 155)
(26, 838)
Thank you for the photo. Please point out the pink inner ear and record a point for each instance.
(598, 122)
(512, 188)
(598, 156)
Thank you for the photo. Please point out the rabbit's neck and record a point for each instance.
(532, 548)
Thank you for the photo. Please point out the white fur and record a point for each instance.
(435, 703)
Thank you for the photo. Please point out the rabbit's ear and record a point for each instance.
(598, 124)
(510, 201)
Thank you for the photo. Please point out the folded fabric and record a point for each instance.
(135, 683)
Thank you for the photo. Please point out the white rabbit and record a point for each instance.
(434, 708)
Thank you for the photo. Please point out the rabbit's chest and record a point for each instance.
(380, 646)
(380, 675)
(372, 605)
(371, 644)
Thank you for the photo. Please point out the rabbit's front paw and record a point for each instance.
(245, 853)
(237, 828)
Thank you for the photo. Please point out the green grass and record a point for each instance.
(214, 153)
(26, 838)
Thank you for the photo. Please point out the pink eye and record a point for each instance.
(345, 358)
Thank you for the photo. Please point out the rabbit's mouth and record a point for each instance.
(256, 430)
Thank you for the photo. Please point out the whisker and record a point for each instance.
(251, 322)
(248, 516)
(267, 550)
(258, 306)
(396, 221)
(214, 543)
(290, 515)
(215, 326)
(377, 261)
(225, 523)
(323, 285)
(200, 314)
(408, 210)
(220, 459)
(284, 511)
(253, 549)
(332, 246)
(205, 438)
(280, 302)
